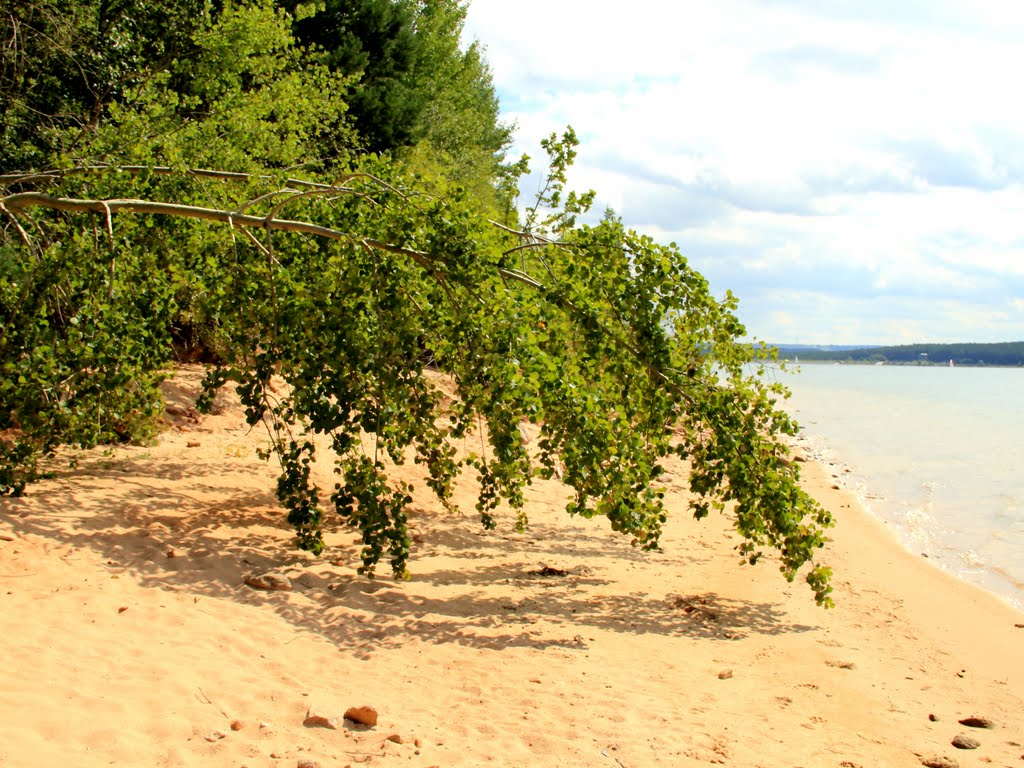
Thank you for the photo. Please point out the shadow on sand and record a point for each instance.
(540, 589)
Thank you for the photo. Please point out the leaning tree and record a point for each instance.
(352, 288)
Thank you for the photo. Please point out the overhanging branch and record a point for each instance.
(23, 200)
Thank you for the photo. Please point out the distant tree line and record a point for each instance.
(1007, 353)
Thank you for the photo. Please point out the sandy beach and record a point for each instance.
(130, 637)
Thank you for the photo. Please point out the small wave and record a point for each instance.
(972, 559)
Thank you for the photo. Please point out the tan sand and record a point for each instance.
(115, 653)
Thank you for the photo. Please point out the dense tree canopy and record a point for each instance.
(63, 64)
(375, 40)
(199, 209)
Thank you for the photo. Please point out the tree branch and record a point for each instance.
(23, 200)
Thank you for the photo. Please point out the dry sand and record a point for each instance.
(130, 639)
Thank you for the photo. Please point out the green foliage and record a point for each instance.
(376, 41)
(65, 62)
(420, 94)
(360, 284)
(82, 349)
(461, 136)
(245, 100)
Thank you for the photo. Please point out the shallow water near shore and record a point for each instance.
(935, 452)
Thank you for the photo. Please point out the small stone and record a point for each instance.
(977, 722)
(318, 720)
(171, 553)
(396, 739)
(933, 718)
(193, 443)
(214, 736)
(417, 743)
(725, 674)
(122, 609)
(5, 537)
(963, 741)
(364, 715)
(237, 725)
(270, 581)
(307, 763)
(939, 761)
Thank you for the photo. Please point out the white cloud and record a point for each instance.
(870, 153)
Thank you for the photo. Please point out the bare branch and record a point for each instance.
(261, 198)
(255, 241)
(110, 223)
(528, 246)
(23, 200)
(55, 174)
(523, 234)
(14, 220)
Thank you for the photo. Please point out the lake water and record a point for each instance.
(936, 452)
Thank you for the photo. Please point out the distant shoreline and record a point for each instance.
(1001, 355)
(904, 364)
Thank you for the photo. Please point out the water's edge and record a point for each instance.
(946, 503)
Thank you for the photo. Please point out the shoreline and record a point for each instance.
(889, 536)
(934, 461)
(132, 638)
(989, 577)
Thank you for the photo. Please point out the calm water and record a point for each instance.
(936, 452)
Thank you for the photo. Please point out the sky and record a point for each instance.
(853, 170)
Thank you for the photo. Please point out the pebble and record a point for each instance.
(977, 722)
(307, 763)
(725, 674)
(396, 739)
(270, 581)
(963, 741)
(317, 720)
(237, 725)
(939, 761)
(365, 715)
(933, 718)
(214, 736)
